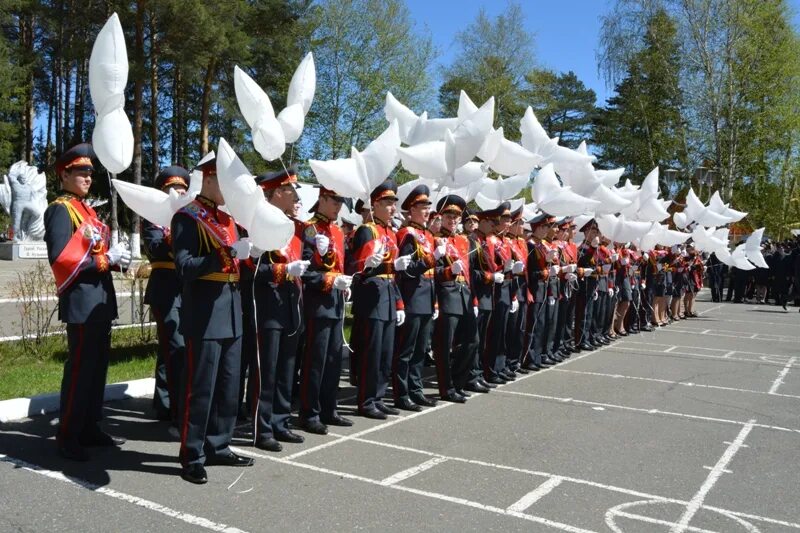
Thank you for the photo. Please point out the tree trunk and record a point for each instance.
(154, 118)
(26, 24)
(138, 88)
(206, 105)
(80, 98)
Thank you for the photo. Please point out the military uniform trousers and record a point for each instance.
(542, 324)
(412, 340)
(321, 366)
(376, 349)
(212, 390)
(248, 378)
(277, 352)
(169, 360)
(494, 352)
(517, 323)
(584, 311)
(455, 359)
(84, 380)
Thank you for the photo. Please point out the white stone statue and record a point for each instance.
(23, 195)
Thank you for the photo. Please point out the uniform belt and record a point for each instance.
(428, 274)
(461, 279)
(162, 264)
(384, 276)
(221, 277)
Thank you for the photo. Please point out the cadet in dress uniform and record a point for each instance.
(419, 300)
(164, 298)
(325, 288)
(542, 270)
(279, 318)
(207, 249)
(519, 287)
(455, 340)
(77, 248)
(377, 303)
(587, 287)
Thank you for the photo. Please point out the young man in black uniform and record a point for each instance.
(207, 249)
(79, 254)
(325, 288)
(279, 318)
(419, 299)
(164, 298)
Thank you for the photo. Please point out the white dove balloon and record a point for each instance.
(112, 137)
(716, 205)
(149, 203)
(500, 189)
(610, 201)
(611, 177)
(406, 118)
(308, 197)
(695, 211)
(739, 259)
(507, 157)
(534, 137)
(358, 175)
(303, 84)
(268, 228)
(556, 200)
(752, 248)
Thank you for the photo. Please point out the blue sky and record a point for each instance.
(565, 31)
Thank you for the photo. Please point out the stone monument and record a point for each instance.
(23, 195)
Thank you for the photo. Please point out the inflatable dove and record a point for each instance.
(151, 204)
(534, 137)
(507, 157)
(112, 138)
(308, 195)
(752, 248)
(556, 200)
(268, 228)
(500, 189)
(270, 132)
(358, 175)
(695, 211)
(716, 205)
(738, 259)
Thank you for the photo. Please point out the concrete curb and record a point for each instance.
(18, 408)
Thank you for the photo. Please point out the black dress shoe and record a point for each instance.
(424, 401)
(464, 393)
(406, 405)
(289, 436)
(269, 444)
(531, 367)
(314, 426)
(476, 387)
(337, 420)
(546, 361)
(372, 413)
(521, 370)
(385, 409)
(195, 473)
(454, 398)
(486, 384)
(100, 439)
(586, 346)
(73, 452)
(555, 357)
(229, 459)
(496, 380)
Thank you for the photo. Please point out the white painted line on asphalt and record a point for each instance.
(748, 337)
(191, 519)
(697, 501)
(425, 493)
(643, 351)
(709, 309)
(627, 341)
(418, 414)
(726, 471)
(670, 349)
(729, 353)
(649, 520)
(671, 382)
(535, 495)
(648, 411)
(754, 336)
(413, 471)
(781, 375)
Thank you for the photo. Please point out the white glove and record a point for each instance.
(644, 285)
(587, 272)
(551, 300)
(115, 253)
(347, 294)
(659, 267)
(435, 314)
(457, 267)
(509, 264)
(552, 255)
(606, 269)
(241, 248)
(645, 256)
(499, 277)
(402, 262)
(125, 260)
(571, 276)
(297, 268)
(439, 251)
(595, 242)
(342, 282)
(401, 317)
(595, 296)
(518, 267)
(623, 261)
(514, 306)
(475, 310)
(611, 292)
(373, 261)
(614, 257)
(323, 243)
(554, 270)
(569, 269)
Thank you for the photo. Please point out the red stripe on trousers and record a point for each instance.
(188, 394)
(305, 375)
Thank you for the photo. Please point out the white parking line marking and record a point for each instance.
(670, 349)
(413, 471)
(648, 411)
(191, 519)
(697, 501)
(779, 380)
(535, 495)
(644, 351)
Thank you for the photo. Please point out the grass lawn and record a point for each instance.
(27, 371)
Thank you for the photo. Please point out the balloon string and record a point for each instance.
(258, 351)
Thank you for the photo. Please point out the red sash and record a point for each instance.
(333, 260)
(90, 238)
(223, 230)
(384, 242)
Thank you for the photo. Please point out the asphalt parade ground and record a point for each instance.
(694, 427)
